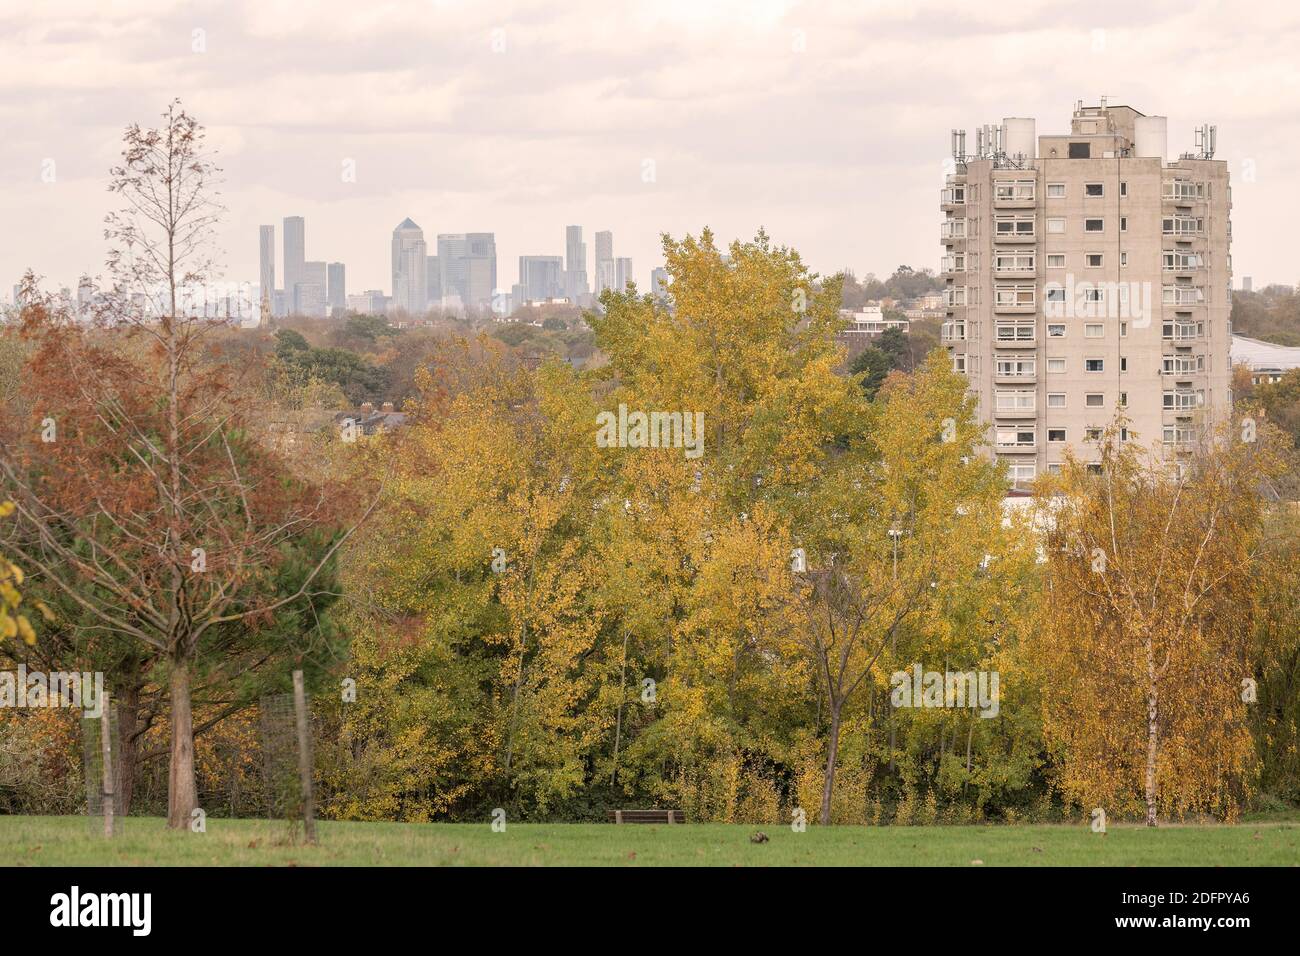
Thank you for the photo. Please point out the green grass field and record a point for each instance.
(68, 841)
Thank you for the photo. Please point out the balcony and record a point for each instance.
(952, 230)
(1183, 227)
(1182, 365)
(952, 198)
(1012, 376)
(1183, 400)
(954, 297)
(1182, 295)
(1183, 191)
(953, 265)
(1015, 265)
(1178, 438)
(1014, 193)
(1182, 262)
(1013, 440)
(1181, 331)
(1015, 299)
(952, 332)
(1009, 335)
(1014, 229)
(1015, 403)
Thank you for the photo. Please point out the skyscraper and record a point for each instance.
(433, 282)
(410, 269)
(575, 265)
(336, 288)
(659, 280)
(467, 265)
(311, 290)
(541, 278)
(266, 261)
(1087, 275)
(295, 254)
(622, 274)
(605, 275)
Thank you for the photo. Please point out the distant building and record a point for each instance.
(367, 420)
(370, 302)
(336, 288)
(310, 293)
(541, 277)
(295, 254)
(85, 294)
(266, 263)
(605, 274)
(622, 274)
(870, 321)
(467, 266)
(575, 264)
(433, 282)
(659, 280)
(1267, 362)
(410, 269)
(1247, 284)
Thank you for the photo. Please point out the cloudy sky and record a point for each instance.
(825, 123)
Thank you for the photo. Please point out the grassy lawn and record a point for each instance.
(68, 841)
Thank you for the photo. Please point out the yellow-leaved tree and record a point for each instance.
(746, 349)
(471, 683)
(13, 623)
(1144, 650)
(906, 518)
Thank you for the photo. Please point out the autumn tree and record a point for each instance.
(643, 636)
(141, 500)
(908, 515)
(1144, 651)
(14, 623)
(478, 662)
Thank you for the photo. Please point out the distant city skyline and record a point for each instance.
(462, 273)
(823, 124)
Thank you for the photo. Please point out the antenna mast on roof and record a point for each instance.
(1207, 138)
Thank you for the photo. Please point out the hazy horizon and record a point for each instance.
(825, 124)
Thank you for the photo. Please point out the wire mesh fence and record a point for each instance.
(99, 745)
(286, 733)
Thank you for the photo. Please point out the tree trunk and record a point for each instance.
(182, 795)
(128, 744)
(970, 731)
(1153, 735)
(832, 750)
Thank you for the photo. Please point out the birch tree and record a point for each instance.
(1146, 635)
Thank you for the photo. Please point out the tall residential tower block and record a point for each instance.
(1086, 276)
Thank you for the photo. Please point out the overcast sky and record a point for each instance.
(825, 123)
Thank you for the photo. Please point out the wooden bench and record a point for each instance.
(646, 816)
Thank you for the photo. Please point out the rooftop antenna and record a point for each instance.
(1206, 139)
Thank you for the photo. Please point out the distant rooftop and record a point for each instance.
(1264, 355)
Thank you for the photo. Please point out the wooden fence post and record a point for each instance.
(106, 746)
(304, 757)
